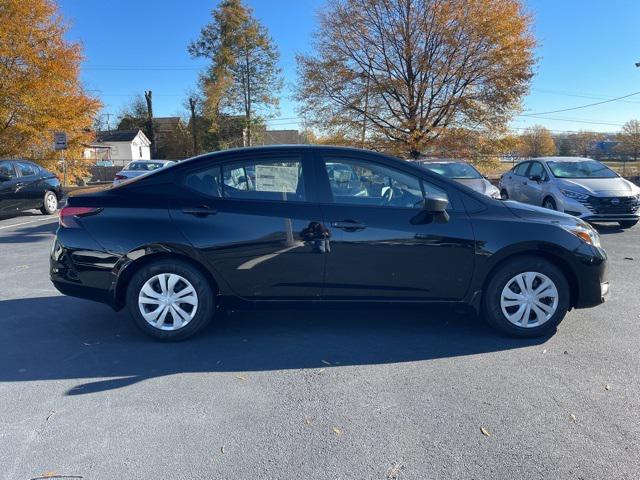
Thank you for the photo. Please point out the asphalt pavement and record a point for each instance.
(312, 393)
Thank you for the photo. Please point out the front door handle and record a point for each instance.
(201, 211)
(348, 225)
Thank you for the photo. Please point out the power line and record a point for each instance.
(581, 106)
(595, 96)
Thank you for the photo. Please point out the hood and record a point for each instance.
(531, 212)
(480, 185)
(477, 184)
(599, 187)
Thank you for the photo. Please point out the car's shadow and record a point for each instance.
(59, 337)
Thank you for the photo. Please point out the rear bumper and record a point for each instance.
(82, 273)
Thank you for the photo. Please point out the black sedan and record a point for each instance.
(25, 185)
(272, 224)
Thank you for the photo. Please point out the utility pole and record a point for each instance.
(194, 134)
(152, 135)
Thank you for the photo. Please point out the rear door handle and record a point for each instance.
(201, 211)
(348, 225)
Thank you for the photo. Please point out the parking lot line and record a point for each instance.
(27, 223)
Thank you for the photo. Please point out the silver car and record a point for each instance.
(578, 186)
(464, 173)
(140, 167)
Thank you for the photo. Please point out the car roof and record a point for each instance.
(151, 161)
(559, 159)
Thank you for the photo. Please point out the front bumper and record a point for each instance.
(602, 209)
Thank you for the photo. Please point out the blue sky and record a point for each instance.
(587, 53)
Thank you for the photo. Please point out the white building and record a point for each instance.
(119, 147)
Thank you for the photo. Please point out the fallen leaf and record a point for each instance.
(485, 432)
(573, 418)
(607, 387)
(544, 351)
(51, 414)
(325, 362)
(337, 431)
(565, 352)
(222, 449)
(241, 377)
(307, 421)
(50, 474)
(628, 258)
(394, 471)
(321, 370)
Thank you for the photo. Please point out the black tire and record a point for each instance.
(206, 295)
(504, 195)
(49, 203)
(549, 203)
(492, 310)
(627, 223)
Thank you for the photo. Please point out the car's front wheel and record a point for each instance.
(627, 223)
(49, 203)
(526, 297)
(550, 203)
(170, 300)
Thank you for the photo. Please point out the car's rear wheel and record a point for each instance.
(526, 297)
(170, 300)
(550, 203)
(49, 203)
(627, 223)
(504, 195)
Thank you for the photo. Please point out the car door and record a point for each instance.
(533, 185)
(514, 179)
(9, 184)
(253, 219)
(377, 248)
(31, 186)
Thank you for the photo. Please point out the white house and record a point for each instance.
(119, 147)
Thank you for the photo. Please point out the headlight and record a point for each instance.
(585, 233)
(493, 192)
(575, 195)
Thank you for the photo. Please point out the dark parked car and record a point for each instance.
(25, 185)
(172, 244)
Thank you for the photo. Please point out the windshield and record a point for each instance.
(453, 170)
(581, 169)
(144, 166)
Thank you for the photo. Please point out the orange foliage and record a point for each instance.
(40, 90)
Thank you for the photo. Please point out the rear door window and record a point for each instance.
(274, 179)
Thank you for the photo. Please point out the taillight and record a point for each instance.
(69, 215)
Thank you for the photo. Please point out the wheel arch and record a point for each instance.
(553, 257)
(130, 266)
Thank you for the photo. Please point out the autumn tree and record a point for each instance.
(583, 142)
(134, 116)
(40, 90)
(405, 70)
(629, 139)
(536, 141)
(244, 78)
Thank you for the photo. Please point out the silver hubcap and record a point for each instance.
(168, 301)
(529, 299)
(51, 201)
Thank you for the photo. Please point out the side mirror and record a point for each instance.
(535, 178)
(433, 209)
